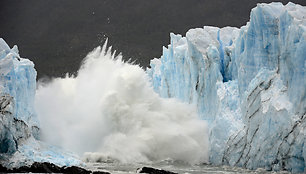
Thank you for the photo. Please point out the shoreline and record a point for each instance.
(46, 167)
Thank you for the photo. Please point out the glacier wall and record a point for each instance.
(19, 125)
(17, 90)
(248, 83)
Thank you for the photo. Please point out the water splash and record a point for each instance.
(110, 111)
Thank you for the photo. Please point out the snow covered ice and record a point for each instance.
(248, 83)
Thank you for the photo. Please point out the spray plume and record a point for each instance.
(110, 111)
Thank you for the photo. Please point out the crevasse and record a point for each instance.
(248, 83)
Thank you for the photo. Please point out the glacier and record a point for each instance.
(18, 84)
(19, 126)
(248, 83)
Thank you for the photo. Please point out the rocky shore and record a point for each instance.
(49, 168)
(46, 167)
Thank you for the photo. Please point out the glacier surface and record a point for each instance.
(19, 125)
(248, 83)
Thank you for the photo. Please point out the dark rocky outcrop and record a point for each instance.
(48, 168)
(151, 170)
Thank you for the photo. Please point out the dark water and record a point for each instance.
(118, 168)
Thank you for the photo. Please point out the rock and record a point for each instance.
(46, 167)
(100, 172)
(151, 170)
(3, 169)
(75, 169)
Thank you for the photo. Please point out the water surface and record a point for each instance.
(119, 168)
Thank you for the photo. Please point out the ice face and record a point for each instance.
(248, 83)
(17, 90)
(18, 80)
(182, 71)
(19, 126)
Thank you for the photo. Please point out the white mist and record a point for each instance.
(110, 111)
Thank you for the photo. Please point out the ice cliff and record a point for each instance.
(17, 90)
(19, 126)
(248, 83)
